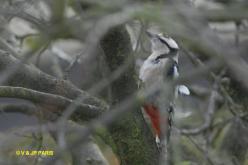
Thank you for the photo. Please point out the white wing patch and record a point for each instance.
(182, 89)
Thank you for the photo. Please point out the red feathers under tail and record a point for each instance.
(153, 113)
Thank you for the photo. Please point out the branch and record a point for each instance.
(27, 76)
(208, 117)
(39, 24)
(225, 94)
(228, 14)
(19, 108)
(213, 98)
(54, 103)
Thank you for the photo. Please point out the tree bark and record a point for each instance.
(134, 141)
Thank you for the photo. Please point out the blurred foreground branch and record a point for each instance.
(54, 103)
(30, 77)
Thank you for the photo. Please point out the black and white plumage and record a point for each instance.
(164, 55)
(160, 67)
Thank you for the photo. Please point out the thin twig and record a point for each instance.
(200, 149)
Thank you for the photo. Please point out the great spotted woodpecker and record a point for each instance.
(160, 66)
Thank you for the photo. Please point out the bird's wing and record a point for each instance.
(183, 90)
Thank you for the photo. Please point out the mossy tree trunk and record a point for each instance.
(235, 142)
(134, 141)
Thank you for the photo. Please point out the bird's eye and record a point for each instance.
(156, 61)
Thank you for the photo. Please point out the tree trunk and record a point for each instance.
(134, 141)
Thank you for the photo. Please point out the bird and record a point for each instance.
(161, 66)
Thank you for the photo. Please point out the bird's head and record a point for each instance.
(161, 43)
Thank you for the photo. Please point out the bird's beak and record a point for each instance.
(150, 34)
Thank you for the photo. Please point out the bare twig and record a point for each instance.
(39, 24)
(227, 97)
(200, 149)
(209, 115)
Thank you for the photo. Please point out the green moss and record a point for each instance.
(221, 134)
(190, 151)
(235, 142)
(135, 146)
(102, 135)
